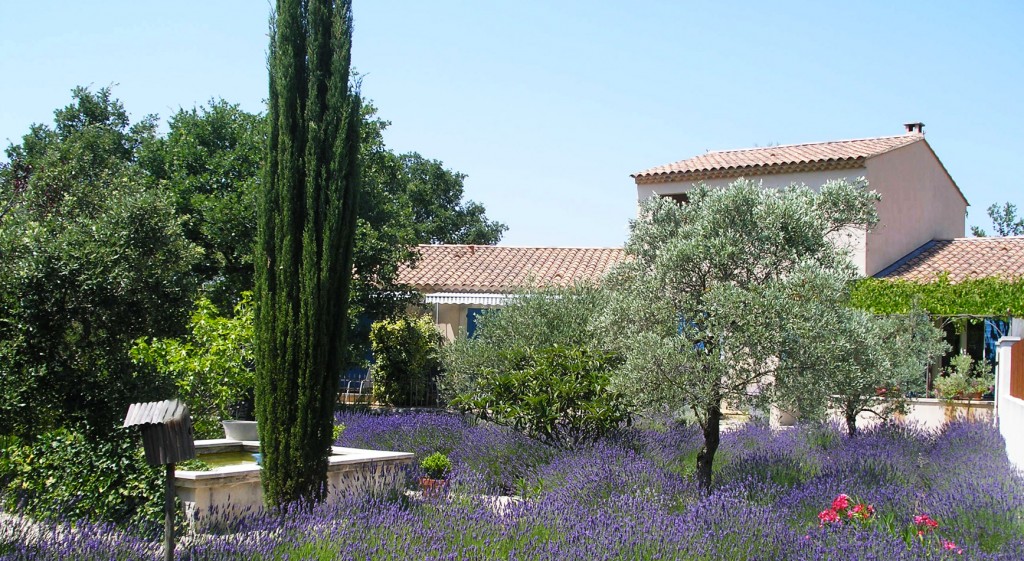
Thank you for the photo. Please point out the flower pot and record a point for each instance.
(240, 430)
(432, 488)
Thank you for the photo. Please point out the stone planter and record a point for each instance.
(240, 430)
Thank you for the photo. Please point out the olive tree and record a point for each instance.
(706, 305)
(860, 363)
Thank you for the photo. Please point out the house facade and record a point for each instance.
(920, 201)
(920, 232)
(460, 282)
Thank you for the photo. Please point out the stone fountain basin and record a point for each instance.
(237, 488)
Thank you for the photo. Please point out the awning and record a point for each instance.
(482, 299)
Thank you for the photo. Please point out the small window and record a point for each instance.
(681, 198)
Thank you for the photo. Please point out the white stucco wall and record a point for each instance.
(852, 240)
(920, 203)
(1009, 409)
(927, 413)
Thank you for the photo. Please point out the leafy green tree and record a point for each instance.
(306, 223)
(863, 363)
(1004, 220)
(538, 364)
(213, 368)
(92, 259)
(439, 215)
(210, 161)
(405, 351)
(705, 309)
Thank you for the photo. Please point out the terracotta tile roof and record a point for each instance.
(962, 258)
(498, 269)
(839, 154)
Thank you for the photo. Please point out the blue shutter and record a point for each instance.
(471, 315)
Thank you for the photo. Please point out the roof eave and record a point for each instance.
(644, 178)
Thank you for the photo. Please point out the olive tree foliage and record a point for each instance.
(530, 320)
(705, 309)
(91, 258)
(852, 361)
(1004, 220)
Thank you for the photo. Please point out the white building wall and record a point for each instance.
(1009, 409)
(852, 240)
(920, 203)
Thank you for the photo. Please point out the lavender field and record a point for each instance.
(809, 493)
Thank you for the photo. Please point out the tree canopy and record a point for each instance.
(706, 310)
(108, 231)
(93, 257)
(1004, 221)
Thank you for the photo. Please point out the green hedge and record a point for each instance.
(63, 474)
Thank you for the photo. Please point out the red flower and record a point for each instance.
(925, 521)
(861, 510)
(828, 516)
(841, 502)
(950, 546)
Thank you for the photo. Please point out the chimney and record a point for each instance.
(914, 127)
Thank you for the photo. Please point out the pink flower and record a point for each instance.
(925, 521)
(828, 516)
(841, 502)
(861, 511)
(950, 546)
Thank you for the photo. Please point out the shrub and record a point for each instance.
(213, 368)
(64, 474)
(530, 321)
(558, 395)
(406, 355)
(436, 465)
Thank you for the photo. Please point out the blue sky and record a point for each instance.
(549, 106)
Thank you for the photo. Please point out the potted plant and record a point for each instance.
(436, 468)
(964, 379)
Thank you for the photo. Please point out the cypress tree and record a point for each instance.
(306, 222)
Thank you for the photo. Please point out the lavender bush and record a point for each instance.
(633, 496)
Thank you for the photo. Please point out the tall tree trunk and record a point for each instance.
(712, 429)
(306, 223)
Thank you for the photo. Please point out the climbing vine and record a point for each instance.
(984, 297)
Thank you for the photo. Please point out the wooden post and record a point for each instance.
(169, 514)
